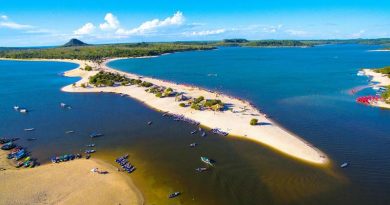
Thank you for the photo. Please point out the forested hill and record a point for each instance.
(76, 49)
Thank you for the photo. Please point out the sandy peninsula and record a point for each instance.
(234, 121)
(65, 183)
(381, 80)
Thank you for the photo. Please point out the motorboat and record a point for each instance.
(174, 194)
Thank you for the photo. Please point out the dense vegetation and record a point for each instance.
(108, 79)
(97, 52)
(78, 49)
(202, 103)
(386, 94)
(384, 70)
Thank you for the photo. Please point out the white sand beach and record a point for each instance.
(382, 80)
(235, 121)
(66, 183)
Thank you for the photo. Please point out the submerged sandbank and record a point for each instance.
(234, 121)
(66, 183)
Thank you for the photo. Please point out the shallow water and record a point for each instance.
(305, 90)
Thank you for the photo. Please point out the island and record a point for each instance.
(223, 114)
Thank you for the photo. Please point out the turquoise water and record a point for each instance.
(305, 90)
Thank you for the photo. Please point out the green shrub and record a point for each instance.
(146, 84)
(199, 99)
(195, 106)
(253, 121)
(88, 68)
(159, 95)
(83, 85)
(182, 104)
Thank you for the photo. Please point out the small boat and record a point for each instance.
(174, 194)
(90, 151)
(8, 146)
(207, 161)
(193, 144)
(201, 169)
(69, 132)
(31, 139)
(29, 129)
(90, 145)
(16, 107)
(62, 104)
(203, 134)
(94, 135)
(343, 165)
(200, 129)
(7, 140)
(23, 110)
(150, 123)
(194, 131)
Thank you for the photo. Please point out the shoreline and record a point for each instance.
(382, 80)
(235, 123)
(45, 184)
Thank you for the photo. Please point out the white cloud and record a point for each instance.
(4, 17)
(272, 29)
(358, 34)
(112, 22)
(150, 26)
(296, 32)
(206, 32)
(88, 28)
(13, 25)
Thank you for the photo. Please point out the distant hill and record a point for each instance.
(74, 42)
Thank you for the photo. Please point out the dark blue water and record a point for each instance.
(305, 90)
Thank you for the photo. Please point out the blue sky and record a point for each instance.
(44, 22)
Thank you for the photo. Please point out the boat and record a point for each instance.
(63, 105)
(174, 194)
(93, 135)
(69, 132)
(90, 151)
(194, 131)
(207, 161)
(31, 139)
(203, 134)
(29, 129)
(343, 165)
(8, 146)
(16, 107)
(7, 140)
(193, 144)
(150, 123)
(201, 169)
(23, 110)
(90, 145)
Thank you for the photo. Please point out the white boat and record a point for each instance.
(360, 73)
(69, 132)
(29, 129)
(23, 110)
(345, 164)
(16, 107)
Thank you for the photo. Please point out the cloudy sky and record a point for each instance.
(43, 22)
